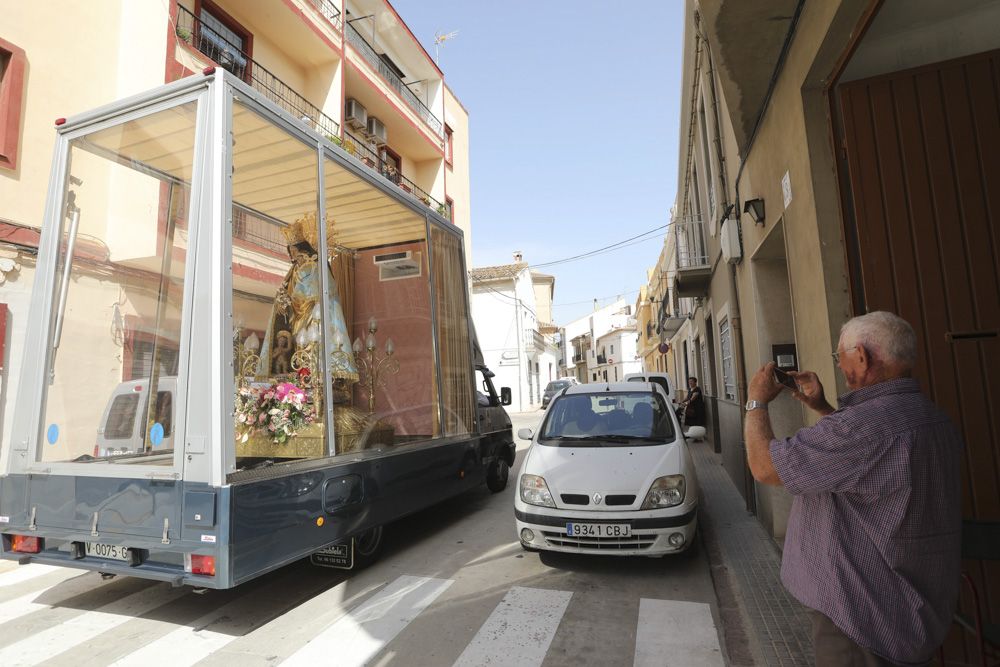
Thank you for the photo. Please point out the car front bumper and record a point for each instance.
(649, 534)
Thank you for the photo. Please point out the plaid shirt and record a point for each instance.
(874, 533)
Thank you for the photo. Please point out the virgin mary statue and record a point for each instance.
(296, 317)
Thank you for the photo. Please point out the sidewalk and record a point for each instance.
(762, 623)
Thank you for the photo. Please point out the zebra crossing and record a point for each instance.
(66, 614)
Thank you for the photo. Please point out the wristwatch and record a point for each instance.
(755, 405)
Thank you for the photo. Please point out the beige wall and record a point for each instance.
(80, 56)
(458, 174)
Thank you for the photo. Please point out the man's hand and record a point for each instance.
(762, 387)
(811, 391)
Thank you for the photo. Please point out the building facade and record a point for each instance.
(518, 346)
(834, 162)
(350, 70)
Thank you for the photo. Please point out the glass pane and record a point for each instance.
(117, 310)
(381, 274)
(280, 402)
(453, 333)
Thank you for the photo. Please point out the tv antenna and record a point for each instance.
(439, 39)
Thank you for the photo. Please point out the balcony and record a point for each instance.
(368, 154)
(601, 359)
(694, 272)
(327, 10)
(367, 52)
(191, 30)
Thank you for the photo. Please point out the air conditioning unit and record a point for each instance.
(355, 115)
(376, 131)
(397, 265)
(732, 252)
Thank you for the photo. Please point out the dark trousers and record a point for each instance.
(835, 649)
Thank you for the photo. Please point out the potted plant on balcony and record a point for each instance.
(183, 34)
(442, 210)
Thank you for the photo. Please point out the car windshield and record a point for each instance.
(607, 419)
(555, 386)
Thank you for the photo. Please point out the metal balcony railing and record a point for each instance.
(692, 251)
(227, 55)
(328, 10)
(369, 156)
(601, 359)
(368, 53)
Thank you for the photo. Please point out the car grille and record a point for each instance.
(606, 543)
(619, 500)
(574, 498)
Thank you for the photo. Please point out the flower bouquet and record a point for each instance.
(277, 411)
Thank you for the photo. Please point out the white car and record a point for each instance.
(609, 472)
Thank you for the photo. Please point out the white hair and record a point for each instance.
(886, 336)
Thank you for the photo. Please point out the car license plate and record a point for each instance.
(109, 551)
(598, 529)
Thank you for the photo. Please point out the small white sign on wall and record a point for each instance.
(786, 189)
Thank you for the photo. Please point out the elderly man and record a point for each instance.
(873, 536)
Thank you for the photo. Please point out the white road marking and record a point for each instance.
(28, 572)
(360, 634)
(519, 631)
(39, 647)
(26, 604)
(672, 632)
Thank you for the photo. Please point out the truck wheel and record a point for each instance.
(496, 476)
(367, 548)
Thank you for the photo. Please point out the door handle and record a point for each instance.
(957, 336)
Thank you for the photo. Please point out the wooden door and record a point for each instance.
(923, 156)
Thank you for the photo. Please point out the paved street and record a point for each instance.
(453, 588)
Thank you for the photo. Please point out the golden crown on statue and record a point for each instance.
(305, 229)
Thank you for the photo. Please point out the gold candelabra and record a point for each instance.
(372, 368)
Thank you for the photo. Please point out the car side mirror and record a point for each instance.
(505, 396)
(525, 433)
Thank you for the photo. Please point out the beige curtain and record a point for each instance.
(453, 334)
(342, 268)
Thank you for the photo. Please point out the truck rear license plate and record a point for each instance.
(598, 529)
(109, 551)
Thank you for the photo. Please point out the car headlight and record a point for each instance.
(665, 492)
(534, 491)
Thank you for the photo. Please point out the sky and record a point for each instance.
(573, 112)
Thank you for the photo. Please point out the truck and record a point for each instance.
(245, 347)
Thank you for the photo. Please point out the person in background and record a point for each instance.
(873, 539)
(694, 404)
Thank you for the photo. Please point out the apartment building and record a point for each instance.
(349, 69)
(509, 302)
(837, 158)
(592, 340)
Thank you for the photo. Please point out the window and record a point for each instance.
(392, 164)
(728, 377)
(612, 348)
(12, 62)
(224, 40)
(449, 152)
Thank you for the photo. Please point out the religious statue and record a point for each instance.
(296, 317)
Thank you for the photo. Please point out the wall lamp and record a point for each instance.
(755, 207)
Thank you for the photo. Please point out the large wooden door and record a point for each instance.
(923, 156)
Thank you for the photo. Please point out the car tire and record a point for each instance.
(368, 547)
(497, 475)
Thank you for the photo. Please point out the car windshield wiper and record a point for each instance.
(605, 437)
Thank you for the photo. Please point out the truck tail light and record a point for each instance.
(26, 544)
(199, 564)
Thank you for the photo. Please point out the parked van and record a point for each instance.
(125, 419)
(662, 379)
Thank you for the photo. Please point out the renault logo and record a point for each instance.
(597, 499)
